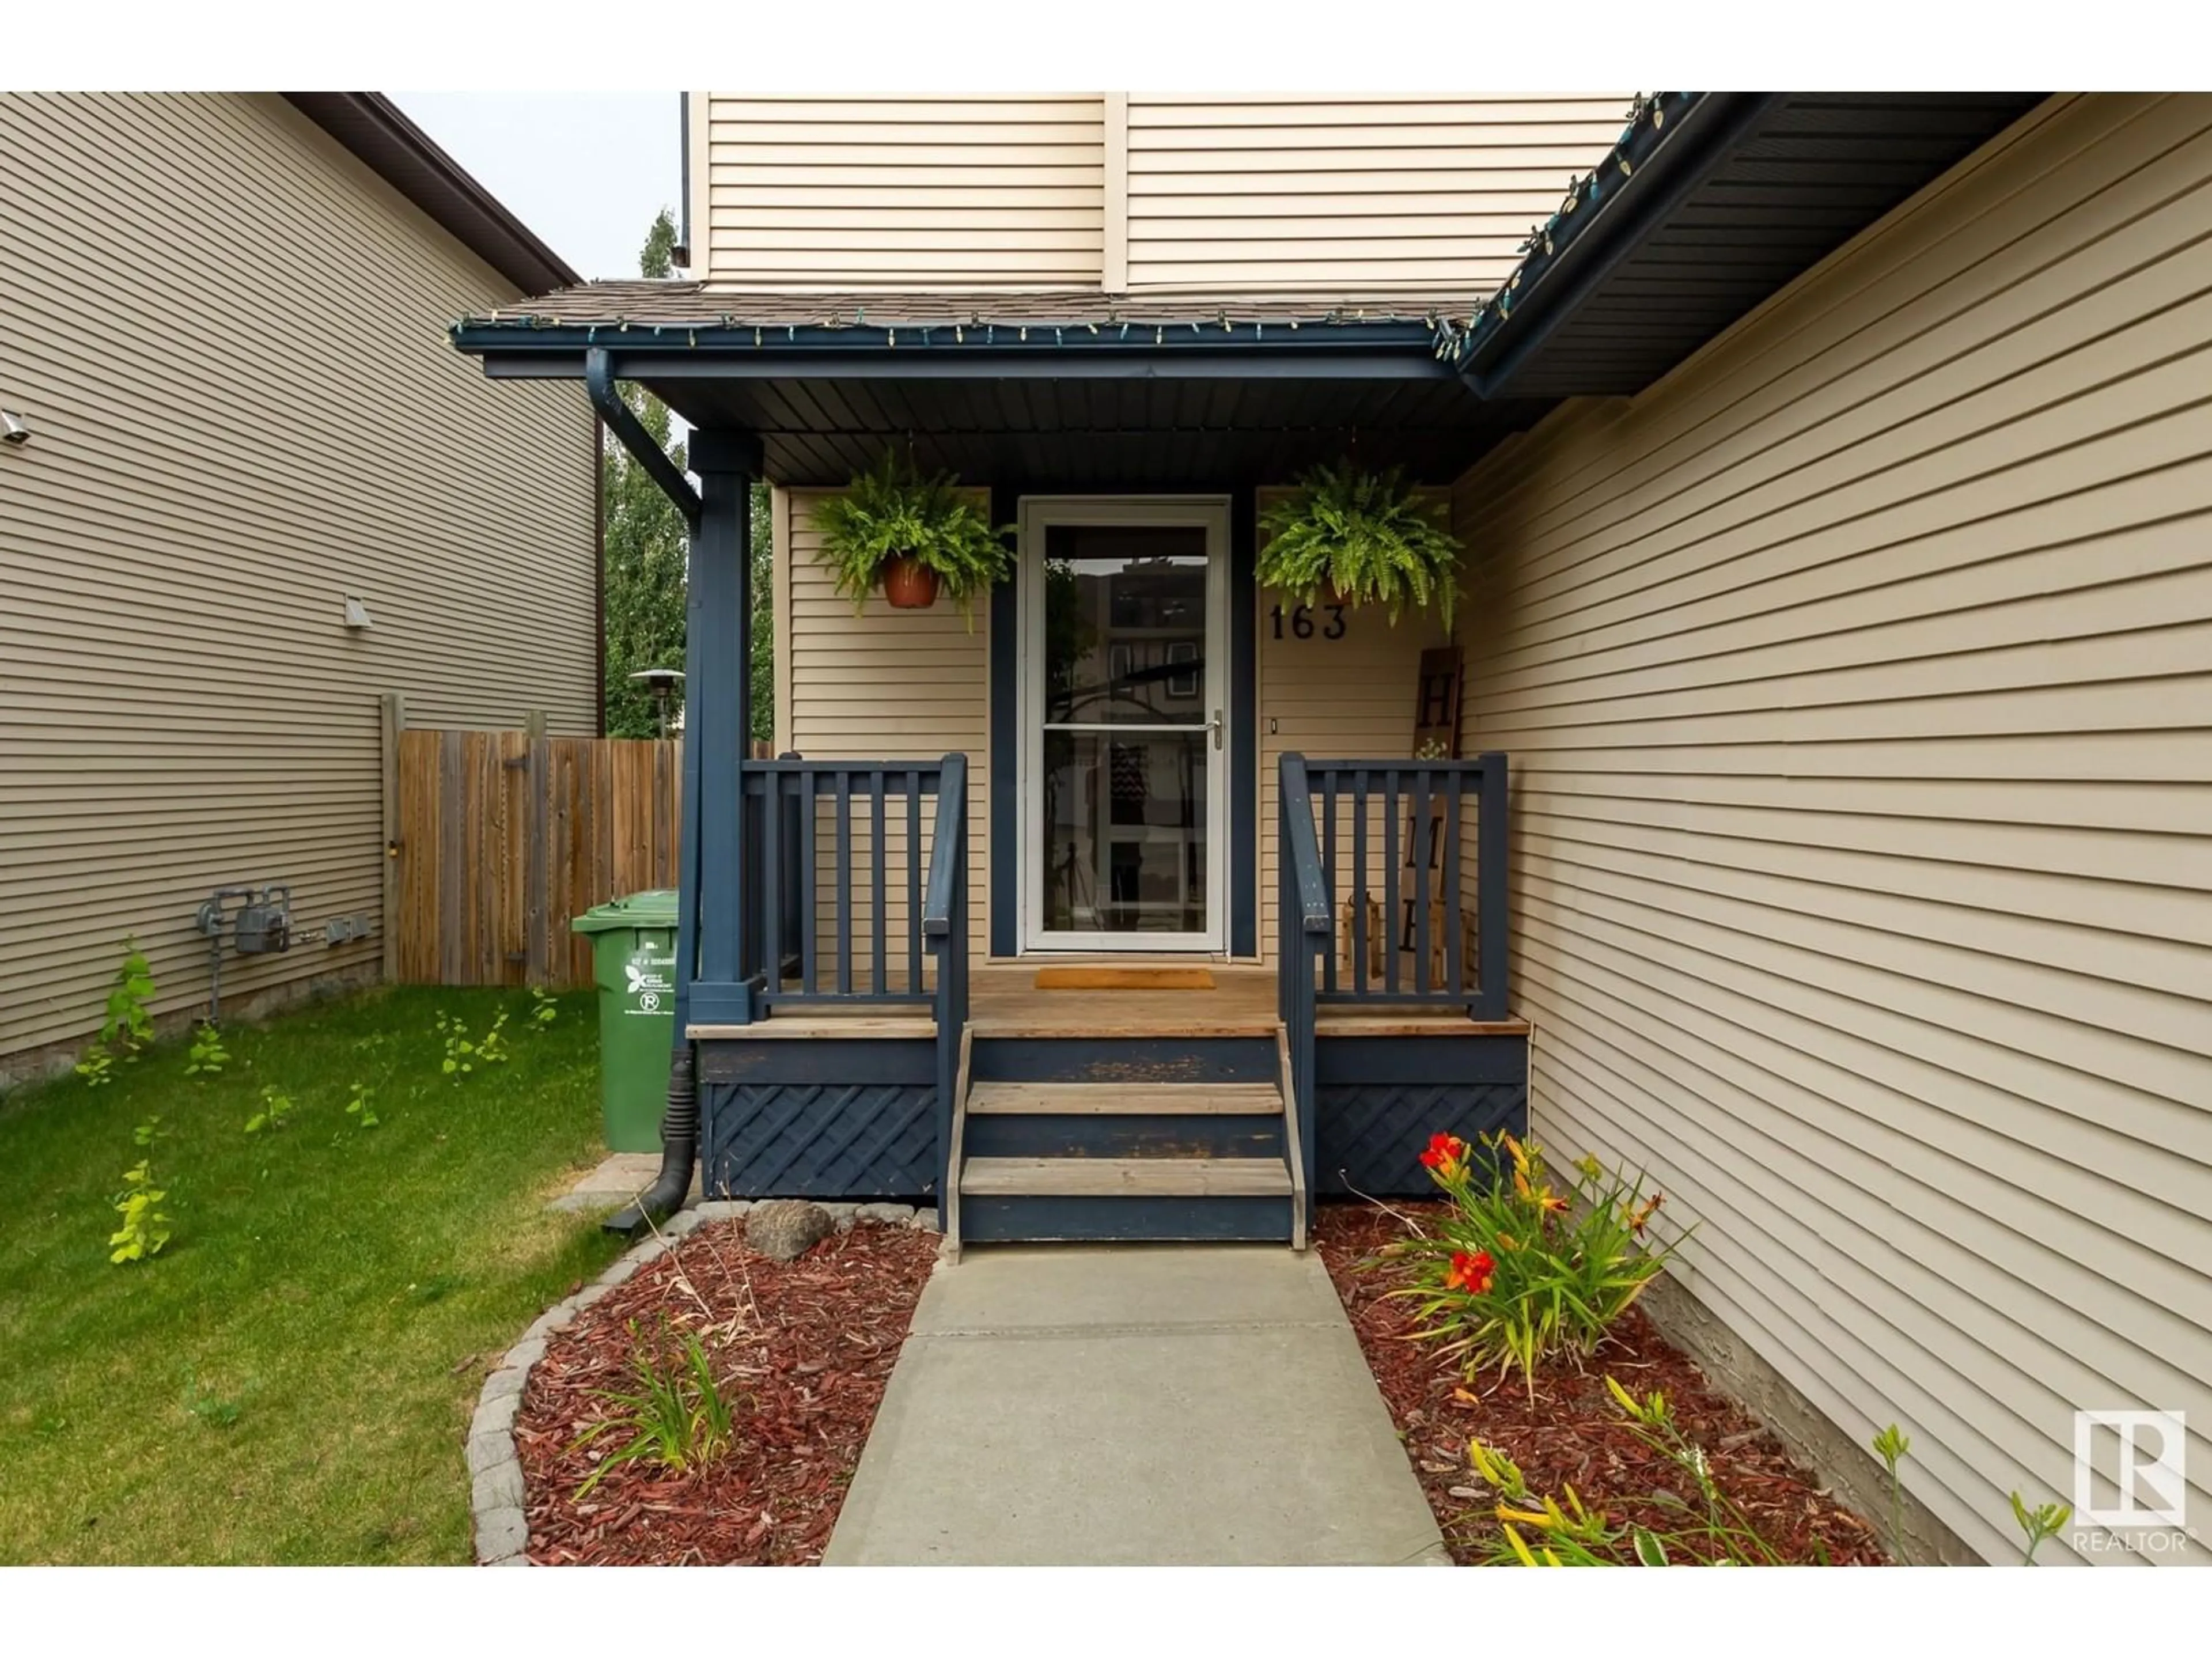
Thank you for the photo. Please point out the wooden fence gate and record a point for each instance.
(498, 840)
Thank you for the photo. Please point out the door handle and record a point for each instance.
(1214, 726)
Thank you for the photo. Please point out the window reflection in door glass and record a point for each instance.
(1125, 625)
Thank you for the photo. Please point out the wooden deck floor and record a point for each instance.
(1004, 1000)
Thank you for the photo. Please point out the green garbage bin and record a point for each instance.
(634, 960)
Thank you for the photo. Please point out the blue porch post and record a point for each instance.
(719, 680)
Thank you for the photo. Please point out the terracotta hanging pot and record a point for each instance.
(1331, 594)
(908, 583)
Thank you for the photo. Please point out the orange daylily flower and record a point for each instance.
(1650, 1208)
(1471, 1273)
(1445, 1152)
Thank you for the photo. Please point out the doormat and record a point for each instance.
(1124, 979)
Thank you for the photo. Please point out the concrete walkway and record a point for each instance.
(1133, 1405)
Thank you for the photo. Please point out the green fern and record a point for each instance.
(1365, 534)
(892, 510)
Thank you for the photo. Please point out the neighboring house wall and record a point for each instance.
(1350, 190)
(1133, 191)
(1854, 678)
(228, 336)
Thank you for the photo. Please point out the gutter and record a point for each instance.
(1248, 350)
(1672, 143)
(531, 348)
(730, 334)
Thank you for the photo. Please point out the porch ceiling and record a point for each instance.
(1105, 434)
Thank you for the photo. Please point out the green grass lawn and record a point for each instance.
(290, 1379)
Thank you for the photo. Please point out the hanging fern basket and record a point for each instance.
(908, 583)
(1348, 536)
(913, 537)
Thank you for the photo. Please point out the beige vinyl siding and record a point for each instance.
(228, 337)
(912, 191)
(1346, 699)
(1856, 681)
(881, 685)
(1350, 190)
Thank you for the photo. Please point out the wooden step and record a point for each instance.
(1133, 1177)
(1125, 1218)
(1195, 1022)
(1120, 1100)
(1125, 1061)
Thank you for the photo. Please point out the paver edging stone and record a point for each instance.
(494, 1464)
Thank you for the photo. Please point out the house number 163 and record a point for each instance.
(1302, 621)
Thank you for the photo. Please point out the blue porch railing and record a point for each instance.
(855, 860)
(1392, 895)
(849, 902)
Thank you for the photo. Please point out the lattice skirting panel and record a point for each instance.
(819, 1119)
(1379, 1100)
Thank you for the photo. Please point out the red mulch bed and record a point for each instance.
(803, 1350)
(1571, 1436)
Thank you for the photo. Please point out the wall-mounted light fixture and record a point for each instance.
(15, 430)
(357, 615)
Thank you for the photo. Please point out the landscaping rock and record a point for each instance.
(498, 1487)
(884, 1215)
(502, 1533)
(524, 1355)
(496, 1414)
(558, 1317)
(787, 1228)
(489, 1451)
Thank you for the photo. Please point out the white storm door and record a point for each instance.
(1124, 664)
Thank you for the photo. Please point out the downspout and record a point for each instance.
(679, 1120)
(623, 422)
(598, 575)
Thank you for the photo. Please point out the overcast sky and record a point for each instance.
(585, 170)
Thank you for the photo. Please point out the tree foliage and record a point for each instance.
(644, 559)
